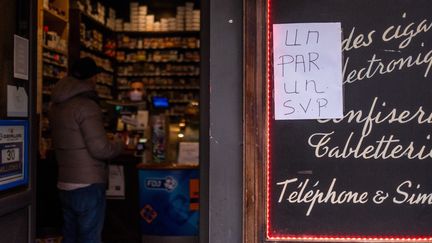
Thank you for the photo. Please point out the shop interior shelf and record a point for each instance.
(157, 62)
(95, 22)
(105, 84)
(56, 50)
(53, 16)
(50, 77)
(158, 49)
(160, 33)
(176, 87)
(157, 75)
(54, 63)
(96, 52)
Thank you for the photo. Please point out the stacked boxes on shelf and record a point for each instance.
(111, 20)
(53, 40)
(158, 56)
(54, 8)
(118, 25)
(103, 63)
(186, 19)
(91, 38)
(180, 18)
(192, 18)
(52, 60)
(152, 69)
(127, 42)
(97, 12)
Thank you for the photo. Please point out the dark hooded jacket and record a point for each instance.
(78, 133)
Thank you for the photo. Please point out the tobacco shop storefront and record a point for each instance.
(342, 96)
(305, 120)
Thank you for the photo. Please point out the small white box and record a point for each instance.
(142, 9)
(150, 18)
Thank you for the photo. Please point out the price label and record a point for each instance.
(10, 155)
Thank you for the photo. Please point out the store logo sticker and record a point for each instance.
(148, 213)
(168, 183)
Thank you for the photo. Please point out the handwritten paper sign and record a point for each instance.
(307, 71)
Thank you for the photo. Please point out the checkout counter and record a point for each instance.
(152, 202)
(149, 199)
(168, 202)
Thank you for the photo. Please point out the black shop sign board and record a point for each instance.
(366, 175)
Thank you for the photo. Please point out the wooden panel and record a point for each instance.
(254, 120)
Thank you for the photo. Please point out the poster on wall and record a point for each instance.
(366, 175)
(17, 101)
(13, 153)
(21, 57)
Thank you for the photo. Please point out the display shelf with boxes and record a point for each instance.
(145, 41)
(98, 13)
(158, 69)
(53, 34)
(161, 52)
(186, 18)
(158, 56)
(55, 10)
(94, 37)
(160, 60)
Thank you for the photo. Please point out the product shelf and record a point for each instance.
(156, 62)
(58, 51)
(53, 16)
(160, 33)
(96, 22)
(47, 61)
(159, 49)
(157, 75)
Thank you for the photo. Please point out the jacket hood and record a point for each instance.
(69, 87)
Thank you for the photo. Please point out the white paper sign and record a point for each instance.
(17, 101)
(143, 118)
(116, 183)
(188, 153)
(307, 71)
(21, 57)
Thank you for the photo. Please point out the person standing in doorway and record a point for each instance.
(81, 148)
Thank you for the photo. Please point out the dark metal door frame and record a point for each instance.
(221, 107)
(21, 200)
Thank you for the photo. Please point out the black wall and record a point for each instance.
(402, 89)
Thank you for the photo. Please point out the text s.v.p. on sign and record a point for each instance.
(307, 71)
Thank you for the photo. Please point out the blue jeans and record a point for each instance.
(83, 214)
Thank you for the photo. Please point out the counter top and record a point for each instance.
(166, 166)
